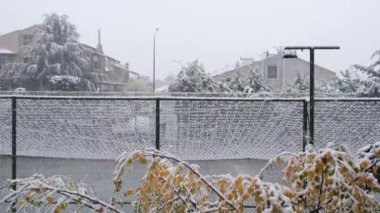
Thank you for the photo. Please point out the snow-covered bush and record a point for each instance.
(325, 180)
(193, 78)
(299, 85)
(369, 159)
(69, 83)
(254, 83)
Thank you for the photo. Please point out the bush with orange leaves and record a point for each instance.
(326, 180)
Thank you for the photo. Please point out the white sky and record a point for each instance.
(217, 32)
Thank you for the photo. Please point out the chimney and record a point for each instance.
(99, 48)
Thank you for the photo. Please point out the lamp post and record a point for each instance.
(311, 51)
(154, 60)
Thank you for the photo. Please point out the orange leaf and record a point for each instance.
(49, 199)
(364, 164)
(129, 192)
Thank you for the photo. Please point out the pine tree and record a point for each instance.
(193, 78)
(255, 83)
(59, 61)
(235, 85)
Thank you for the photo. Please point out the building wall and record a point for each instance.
(294, 66)
(287, 71)
(15, 40)
(10, 41)
(275, 84)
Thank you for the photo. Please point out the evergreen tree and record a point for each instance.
(299, 85)
(235, 85)
(255, 83)
(193, 78)
(56, 56)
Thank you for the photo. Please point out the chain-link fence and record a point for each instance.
(5, 142)
(350, 122)
(80, 136)
(230, 129)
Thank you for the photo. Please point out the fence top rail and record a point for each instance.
(148, 98)
(347, 99)
(174, 98)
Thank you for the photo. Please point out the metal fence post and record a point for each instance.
(14, 150)
(158, 124)
(14, 137)
(304, 126)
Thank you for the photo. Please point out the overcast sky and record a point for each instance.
(217, 32)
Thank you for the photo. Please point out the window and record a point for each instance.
(272, 72)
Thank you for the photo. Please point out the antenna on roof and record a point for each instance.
(99, 47)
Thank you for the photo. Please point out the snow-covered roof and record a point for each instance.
(6, 51)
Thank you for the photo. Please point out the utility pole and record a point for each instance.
(154, 60)
(312, 51)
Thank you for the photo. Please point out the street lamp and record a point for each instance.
(311, 50)
(154, 59)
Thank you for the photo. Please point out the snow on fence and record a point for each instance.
(230, 129)
(214, 128)
(79, 136)
(101, 128)
(350, 122)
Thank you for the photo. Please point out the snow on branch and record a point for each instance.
(54, 194)
(328, 180)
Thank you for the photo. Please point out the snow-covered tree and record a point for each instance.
(349, 81)
(371, 84)
(253, 83)
(364, 81)
(299, 85)
(193, 78)
(56, 56)
(235, 84)
(19, 75)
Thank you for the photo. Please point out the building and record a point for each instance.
(6, 56)
(109, 73)
(278, 71)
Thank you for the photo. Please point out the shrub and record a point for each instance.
(327, 180)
